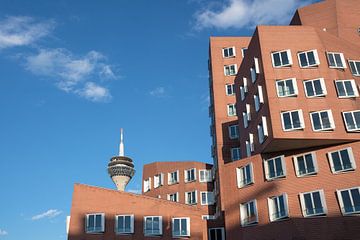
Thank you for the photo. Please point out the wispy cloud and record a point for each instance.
(3, 232)
(51, 213)
(158, 92)
(22, 31)
(74, 74)
(245, 13)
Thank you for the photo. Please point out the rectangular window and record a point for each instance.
(245, 84)
(355, 67)
(313, 203)
(287, 87)
(246, 116)
(346, 88)
(233, 131)
(322, 120)
(275, 167)
(158, 180)
(262, 130)
(253, 74)
(173, 177)
(243, 51)
(315, 88)
(229, 89)
(208, 217)
(244, 175)
(231, 109)
(292, 120)
(248, 148)
(229, 52)
(248, 213)
(147, 184)
(308, 58)
(95, 223)
(305, 164)
(258, 99)
(349, 200)
(242, 93)
(152, 225)
(230, 70)
(281, 58)
(216, 234)
(191, 198)
(251, 142)
(207, 198)
(205, 175)
(124, 224)
(174, 197)
(190, 175)
(278, 207)
(235, 154)
(336, 60)
(181, 227)
(342, 160)
(352, 120)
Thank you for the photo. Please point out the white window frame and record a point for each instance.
(258, 99)
(316, 56)
(296, 164)
(232, 89)
(244, 214)
(262, 130)
(233, 128)
(341, 201)
(89, 229)
(353, 85)
(227, 49)
(272, 206)
(186, 174)
(153, 233)
(207, 173)
(357, 129)
(187, 234)
(171, 180)
(209, 200)
(158, 180)
(251, 142)
(301, 117)
(331, 120)
(248, 148)
(353, 66)
(173, 194)
(245, 84)
(322, 199)
(191, 201)
(216, 229)
(235, 151)
(351, 158)
(323, 87)
(294, 83)
(247, 116)
(231, 109)
(243, 50)
(241, 175)
(343, 62)
(288, 53)
(277, 175)
(229, 67)
(131, 224)
(147, 184)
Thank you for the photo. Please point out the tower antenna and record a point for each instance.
(121, 147)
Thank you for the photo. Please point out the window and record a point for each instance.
(292, 120)
(251, 142)
(281, 58)
(181, 227)
(255, 70)
(248, 148)
(158, 180)
(352, 120)
(173, 177)
(190, 175)
(190, 197)
(346, 88)
(207, 198)
(124, 224)
(355, 67)
(147, 185)
(243, 51)
(174, 197)
(229, 52)
(342, 160)
(305, 164)
(262, 130)
(243, 89)
(208, 217)
(152, 225)
(313, 203)
(287, 87)
(231, 109)
(336, 60)
(230, 70)
(216, 234)
(315, 88)
(229, 89)
(205, 175)
(322, 120)
(248, 213)
(246, 116)
(95, 223)
(258, 98)
(349, 200)
(278, 207)
(235, 154)
(244, 175)
(275, 168)
(233, 131)
(308, 59)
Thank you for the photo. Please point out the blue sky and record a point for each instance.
(72, 73)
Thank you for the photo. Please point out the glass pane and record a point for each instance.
(325, 120)
(218, 234)
(279, 169)
(309, 163)
(284, 58)
(357, 119)
(98, 221)
(271, 168)
(127, 224)
(296, 119)
(281, 88)
(231, 53)
(318, 87)
(176, 227)
(338, 60)
(331, 60)
(248, 174)
(356, 198)
(301, 165)
(350, 124)
(183, 227)
(148, 224)
(120, 224)
(316, 121)
(289, 87)
(156, 225)
(353, 67)
(317, 202)
(345, 158)
(311, 58)
(309, 89)
(340, 89)
(346, 201)
(303, 61)
(357, 64)
(287, 121)
(91, 221)
(336, 161)
(309, 208)
(276, 57)
(281, 206)
(349, 88)
(212, 234)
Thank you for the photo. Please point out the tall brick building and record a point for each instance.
(285, 128)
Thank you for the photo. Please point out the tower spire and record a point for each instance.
(121, 147)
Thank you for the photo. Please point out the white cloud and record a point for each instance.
(158, 92)
(22, 31)
(73, 74)
(51, 213)
(245, 13)
(3, 232)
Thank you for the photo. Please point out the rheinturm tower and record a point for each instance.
(121, 168)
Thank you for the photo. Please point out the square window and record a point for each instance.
(95, 223)
(174, 197)
(292, 120)
(173, 177)
(230, 70)
(352, 120)
(152, 225)
(305, 164)
(229, 88)
(190, 175)
(248, 213)
(346, 88)
(278, 207)
(228, 52)
(322, 120)
(275, 168)
(342, 160)
(124, 224)
(245, 175)
(181, 227)
(286, 87)
(281, 58)
(336, 60)
(235, 154)
(349, 200)
(355, 67)
(313, 203)
(233, 131)
(231, 109)
(205, 175)
(315, 88)
(207, 198)
(308, 59)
